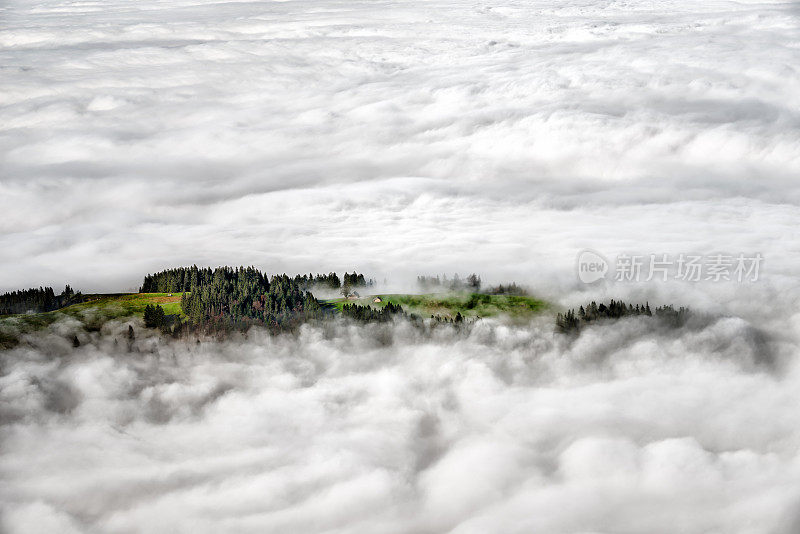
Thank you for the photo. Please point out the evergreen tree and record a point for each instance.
(569, 321)
(154, 316)
(37, 300)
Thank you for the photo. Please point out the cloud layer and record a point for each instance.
(353, 429)
(142, 134)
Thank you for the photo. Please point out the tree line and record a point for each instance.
(368, 314)
(458, 320)
(572, 321)
(183, 278)
(471, 283)
(37, 300)
(456, 283)
(507, 289)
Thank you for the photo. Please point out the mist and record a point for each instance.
(349, 428)
(397, 138)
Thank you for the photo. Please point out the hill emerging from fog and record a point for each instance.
(214, 301)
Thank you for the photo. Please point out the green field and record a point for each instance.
(97, 310)
(449, 304)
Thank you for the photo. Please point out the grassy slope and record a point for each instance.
(93, 313)
(449, 304)
(101, 308)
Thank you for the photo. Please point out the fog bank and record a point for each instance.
(376, 429)
(433, 136)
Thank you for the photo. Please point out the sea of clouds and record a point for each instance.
(404, 138)
(356, 429)
(392, 137)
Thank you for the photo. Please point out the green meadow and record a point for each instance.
(450, 304)
(93, 313)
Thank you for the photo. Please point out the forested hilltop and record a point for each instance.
(198, 301)
(184, 278)
(226, 297)
(241, 297)
(214, 300)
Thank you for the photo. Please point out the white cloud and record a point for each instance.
(404, 138)
(507, 429)
(132, 135)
